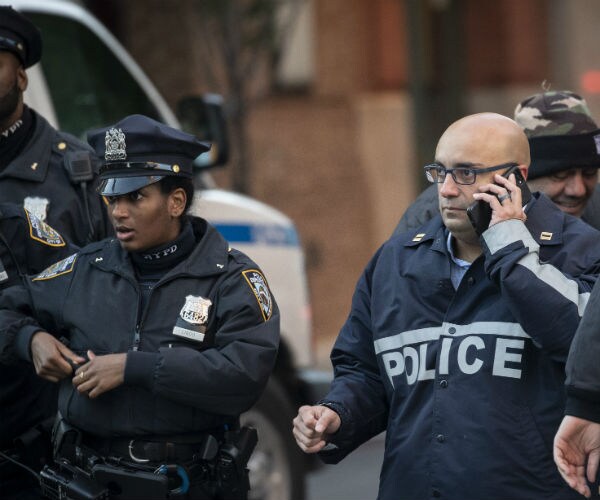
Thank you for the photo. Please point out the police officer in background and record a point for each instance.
(174, 333)
(49, 172)
(27, 245)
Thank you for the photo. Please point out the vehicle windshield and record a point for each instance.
(89, 86)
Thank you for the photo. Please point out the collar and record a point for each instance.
(32, 163)
(168, 255)
(208, 257)
(459, 262)
(545, 221)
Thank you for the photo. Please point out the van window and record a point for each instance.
(89, 86)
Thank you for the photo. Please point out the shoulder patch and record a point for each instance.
(57, 269)
(42, 232)
(261, 291)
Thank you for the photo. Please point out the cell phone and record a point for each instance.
(480, 212)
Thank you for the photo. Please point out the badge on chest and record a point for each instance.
(191, 323)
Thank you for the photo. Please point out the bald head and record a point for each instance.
(483, 139)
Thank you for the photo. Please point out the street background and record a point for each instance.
(335, 105)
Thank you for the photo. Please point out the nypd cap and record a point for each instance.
(139, 151)
(19, 36)
(561, 131)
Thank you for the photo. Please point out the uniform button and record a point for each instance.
(440, 438)
(443, 384)
(441, 284)
(451, 330)
(471, 281)
(436, 494)
(62, 146)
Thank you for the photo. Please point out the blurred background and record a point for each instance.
(334, 105)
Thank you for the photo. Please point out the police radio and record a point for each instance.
(79, 166)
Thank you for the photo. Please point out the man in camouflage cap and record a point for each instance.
(564, 141)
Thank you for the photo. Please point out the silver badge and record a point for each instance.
(37, 206)
(114, 140)
(195, 310)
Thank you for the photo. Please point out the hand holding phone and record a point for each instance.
(480, 212)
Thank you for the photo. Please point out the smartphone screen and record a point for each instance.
(480, 212)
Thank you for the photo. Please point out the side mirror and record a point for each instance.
(202, 116)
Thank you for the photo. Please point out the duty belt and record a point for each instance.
(146, 450)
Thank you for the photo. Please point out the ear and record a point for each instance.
(524, 170)
(22, 80)
(176, 202)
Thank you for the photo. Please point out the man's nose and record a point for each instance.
(448, 188)
(575, 185)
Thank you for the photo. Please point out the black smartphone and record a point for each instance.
(480, 212)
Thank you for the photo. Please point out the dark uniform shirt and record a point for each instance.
(38, 179)
(27, 246)
(198, 354)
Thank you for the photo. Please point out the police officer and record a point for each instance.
(455, 343)
(27, 245)
(174, 332)
(47, 171)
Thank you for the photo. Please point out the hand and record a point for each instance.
(313, 425)
(49, 356)
(576, 442)
(100, 374)
(504, 198)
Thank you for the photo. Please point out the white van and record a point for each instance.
(86, 80)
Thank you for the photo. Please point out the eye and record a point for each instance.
(110, 199)
(465, 174)
(589, 172)
(561, 176)
(135, 196)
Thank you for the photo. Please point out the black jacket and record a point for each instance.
(27, 246)
(39, 180)
(198, 355)
(583, 370)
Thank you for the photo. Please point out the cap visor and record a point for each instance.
(123, 185)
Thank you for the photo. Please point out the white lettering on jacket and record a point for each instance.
(410, 361)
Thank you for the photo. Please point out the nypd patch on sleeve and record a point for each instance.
(261, 291)
(59, 268)
(42, 232)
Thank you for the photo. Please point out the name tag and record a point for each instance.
(188, 334)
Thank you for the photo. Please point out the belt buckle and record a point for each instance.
(133, 457)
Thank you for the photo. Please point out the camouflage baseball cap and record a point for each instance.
(562, 133)
(554, 113)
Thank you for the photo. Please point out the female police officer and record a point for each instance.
(172, 334)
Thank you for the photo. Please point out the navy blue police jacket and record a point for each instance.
(39, 180)
(27, 246)
(198, 354)
(468, 383)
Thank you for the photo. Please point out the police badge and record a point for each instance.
(114, 141)
(37, 206)
(193, 317)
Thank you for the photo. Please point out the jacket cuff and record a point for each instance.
(23, 341)
(139, 369)
(506, 232)
(582, 408)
